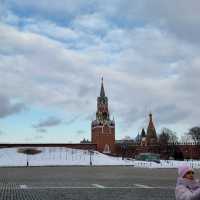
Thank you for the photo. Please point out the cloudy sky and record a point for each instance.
(54, 53)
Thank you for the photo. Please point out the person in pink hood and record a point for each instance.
(187, 188)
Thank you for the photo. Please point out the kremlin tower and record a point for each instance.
(102, 128)
(151, 136)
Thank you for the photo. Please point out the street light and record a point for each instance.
(91, 153)
(27, 164)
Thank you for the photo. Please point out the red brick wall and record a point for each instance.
(190, 151)
(102, 135)
(184, 151)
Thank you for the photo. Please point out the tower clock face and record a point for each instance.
(103, 101)
(104, 115)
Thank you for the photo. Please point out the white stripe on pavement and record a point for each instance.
(59, 187)
(98, 186)
(23, 186)
(143, 186)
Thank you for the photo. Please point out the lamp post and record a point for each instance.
(27, 164)
(91, 153)
(124, 147)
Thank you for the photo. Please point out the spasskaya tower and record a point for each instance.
(102, 128)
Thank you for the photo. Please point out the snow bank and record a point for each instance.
(61, 156)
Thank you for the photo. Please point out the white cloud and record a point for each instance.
(180, 17)
(49, 122)
(145, 64)
(8, 108)
(49, 29)
(91, 23)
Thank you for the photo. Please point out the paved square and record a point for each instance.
(95, 183)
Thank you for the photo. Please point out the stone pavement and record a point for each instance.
(95, 183)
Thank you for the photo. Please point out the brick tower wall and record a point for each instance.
(102, 135)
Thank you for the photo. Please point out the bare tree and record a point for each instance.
(167, 136)
(194, 132)
(163, 138)
(29, 151)
(185, 138)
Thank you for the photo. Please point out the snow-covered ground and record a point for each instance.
(58, 156)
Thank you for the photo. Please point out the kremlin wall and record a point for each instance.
(103, 139)
(103, 135)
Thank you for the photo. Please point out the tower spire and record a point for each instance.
(151, 131)
(102, 92)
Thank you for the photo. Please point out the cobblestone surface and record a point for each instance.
(95, 183)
